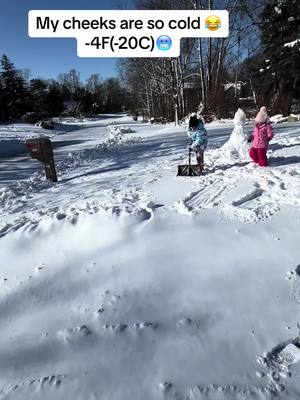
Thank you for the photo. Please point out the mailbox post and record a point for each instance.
(41, 149)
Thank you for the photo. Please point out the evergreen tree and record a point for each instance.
(54, 103)
(14, 89)
(38, 90)
(279, 75)
(2, 114)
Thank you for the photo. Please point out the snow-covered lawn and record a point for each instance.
(124, 282)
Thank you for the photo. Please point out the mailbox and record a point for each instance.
(41, 149)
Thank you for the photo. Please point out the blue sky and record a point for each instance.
(48, 57)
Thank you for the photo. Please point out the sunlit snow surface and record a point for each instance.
(122, 281)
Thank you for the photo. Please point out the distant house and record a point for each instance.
(236, 95)
(231, 85)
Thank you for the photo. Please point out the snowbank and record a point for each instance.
(13, 137)
(295, 116)
(120, 130)
(278, 118)
(101, 119)
(114, 143)
(11, 148)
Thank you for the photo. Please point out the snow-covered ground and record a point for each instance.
(123, 281)
(13, 137)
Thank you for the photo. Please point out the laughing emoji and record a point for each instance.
(213, 23)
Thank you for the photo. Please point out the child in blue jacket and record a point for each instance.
(198, 134)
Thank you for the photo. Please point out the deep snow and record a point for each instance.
(122, 281)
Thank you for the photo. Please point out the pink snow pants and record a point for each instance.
(259, 156)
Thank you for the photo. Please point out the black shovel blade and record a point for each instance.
(188, 170)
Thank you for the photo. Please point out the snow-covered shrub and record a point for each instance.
(162, 120)
(120, 130)
(46, 124)
(278, 118)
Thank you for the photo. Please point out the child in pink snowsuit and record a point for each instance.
(261, 136)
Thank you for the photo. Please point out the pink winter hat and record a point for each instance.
(262, 116)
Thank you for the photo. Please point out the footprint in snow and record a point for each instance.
(278, 363)
(38, 269)
(43, 383)
(233, 392)
(185, 322)
(294, 277)
(138, 326)
(74, 333)
(145, 324)
(192, 323)
(110, 299)
(164, 386)
(116, 327)
(153, 205)
(60, 216)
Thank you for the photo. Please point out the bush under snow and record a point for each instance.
(119, 130)
(278, 118)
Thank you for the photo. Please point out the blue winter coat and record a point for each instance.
(198, 136)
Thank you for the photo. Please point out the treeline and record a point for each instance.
(273, 72)
(36, 99)
(258, 63)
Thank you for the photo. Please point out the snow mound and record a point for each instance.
(114, 143)
(119, 130)
(16, 192)
(278, 118)
(295, 116)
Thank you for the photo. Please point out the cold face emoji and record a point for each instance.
(213, 23)
(164, 42)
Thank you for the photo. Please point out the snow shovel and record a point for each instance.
(188, 170)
